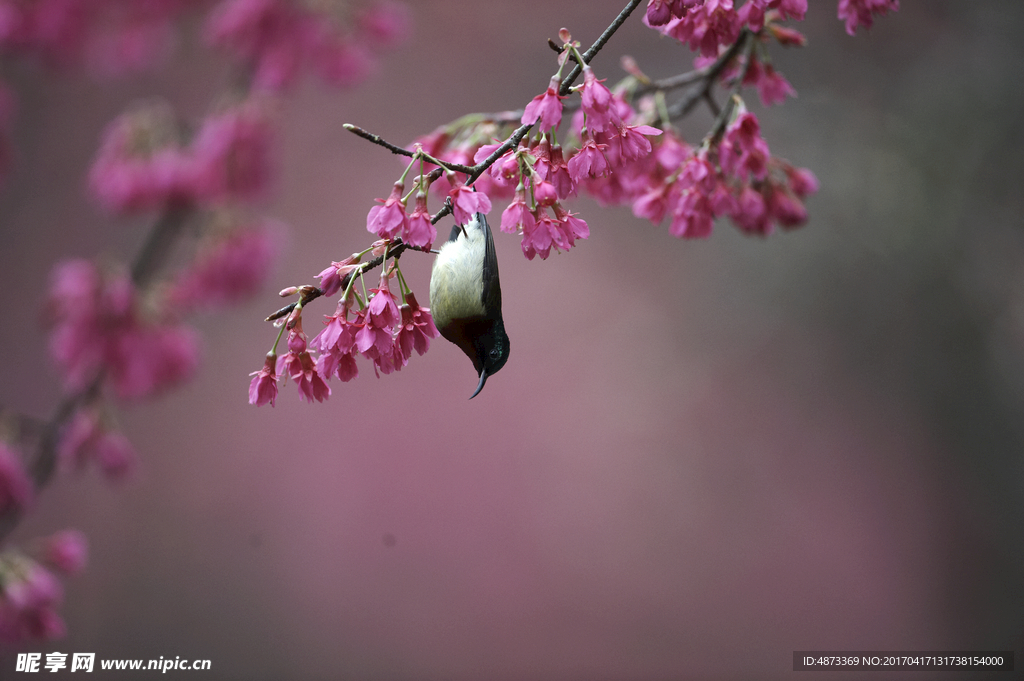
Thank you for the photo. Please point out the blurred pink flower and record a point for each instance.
(743, 152)
(140, 165)
(67, 551)
(95, 328)
(861, 12)
(29, 600)
(231, 155)
(228, 271)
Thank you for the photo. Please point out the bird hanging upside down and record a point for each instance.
(465, 297)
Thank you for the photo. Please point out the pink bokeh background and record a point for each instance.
(701, 455)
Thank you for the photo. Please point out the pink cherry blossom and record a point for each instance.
(705, 27)
(589, 161)
(750, 212)
(383, 307)
(744, 152)
(95, 327)
(693, 216)
(67, 551)
(596, 101)
(802, 181)
(89, 438)
(263, 387)
(572, 226)
(544, 193)
(517, 217)
(466, 203)
(302, 370)
(140, 165)
(332, 277)
(773, 86)
(386, 23)
(545, 108)
(417, 328)
(787, 210)
(388, 221)
(653, 203)
(862, 12)
(630, 141)
(419, 230)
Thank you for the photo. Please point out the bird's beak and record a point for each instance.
(480, 386)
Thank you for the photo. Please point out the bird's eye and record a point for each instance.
(495, 353)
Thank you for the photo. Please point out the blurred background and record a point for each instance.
(701, 455)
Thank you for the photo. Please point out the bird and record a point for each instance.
(465, 297)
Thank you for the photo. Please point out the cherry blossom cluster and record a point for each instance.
(121, 332)
(143, 164)
(615, 155)
(707, 25)
(274, 41)
(620, 146)
(30, 592)
(105, 36)
(278, 39)
(383, 327)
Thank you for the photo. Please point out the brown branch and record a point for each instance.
(43, 464)
(709, 73)
(395, 149)
(588, 56)
(730, 105)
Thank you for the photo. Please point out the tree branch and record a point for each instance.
(588, 56)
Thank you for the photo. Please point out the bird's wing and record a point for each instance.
(491, 295)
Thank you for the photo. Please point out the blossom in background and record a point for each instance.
(96, 328)
(108, 37)
(862, 12)
(277, 39)
(89, 437)
(141, 164)
(227, 271)
(29, 596)
(66, 551)
(230, 157)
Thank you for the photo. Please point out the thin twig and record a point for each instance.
(588, 56)
(710, 73)
(730, 104)
(158, 244)
(151, 257)
(395, 149)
